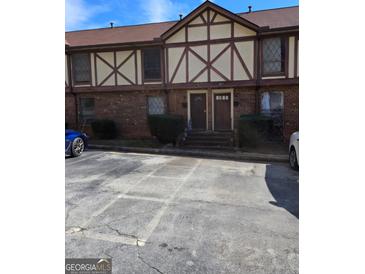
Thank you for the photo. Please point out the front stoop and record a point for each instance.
(211, 140)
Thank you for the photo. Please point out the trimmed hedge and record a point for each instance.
(254, 129)
(165, 127)
(104, 129)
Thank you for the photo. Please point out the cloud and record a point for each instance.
(162, 10)
(79, 13)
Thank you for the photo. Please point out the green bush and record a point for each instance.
(166, 128)
(104, 129)
(254, 129)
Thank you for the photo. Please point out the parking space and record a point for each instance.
(167, 214)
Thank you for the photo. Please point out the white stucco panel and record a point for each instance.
(223, 64)
(197, 33)
(174, 57)
(214, 77)
(215, 49)
(220, 31)
(195, 66)
(103, 70)
(139, 67)
(178, 37)
(202, 78)
(197, 20)
(128, 68)
(246, 50)
(241, 31)
(220, 18)
(202, 51)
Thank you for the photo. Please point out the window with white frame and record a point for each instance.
(273, 51)
(156, 105)
(87, 110)
(272, 102)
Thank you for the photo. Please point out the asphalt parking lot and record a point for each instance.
(168, 214)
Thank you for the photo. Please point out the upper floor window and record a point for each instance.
(81, 68)
(273, 52)
(152, 64)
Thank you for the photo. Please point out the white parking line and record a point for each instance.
(148, 230)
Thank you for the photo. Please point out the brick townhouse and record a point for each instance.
(211, 66)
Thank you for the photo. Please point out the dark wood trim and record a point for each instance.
(190, 85)
(221, 23)
(125, 77)
(187, 64)
(125, 60)
(109, 65)
(286, 57)
(106, 78)
(214, 41)
(167, 66)
(232, 62)
(208, 42)
(136, 66)
(213, 18)
(203, 19)
(197, 25)
(207, 5)
(255, 59)
(242, 62)
(296, 56)
(115, 65)
(162, 65)
(142, 67)
(219, 73)
(178, 65)
(197, 76)
(198, 56)
(106, 62)
(220, 54)
(95, 70)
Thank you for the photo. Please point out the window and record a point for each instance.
(152, 64)
(272, 102)
(81, 68)
(273, 51)
(156, 105)
(87, 112)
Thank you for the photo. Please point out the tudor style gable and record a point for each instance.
(211, 44)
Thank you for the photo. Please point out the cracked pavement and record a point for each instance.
(169, 214)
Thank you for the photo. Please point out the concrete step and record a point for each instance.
(197, 147)
(208, 142)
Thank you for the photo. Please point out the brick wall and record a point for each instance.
(70, 111)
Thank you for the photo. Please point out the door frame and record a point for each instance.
(218, 91)
(200, 91)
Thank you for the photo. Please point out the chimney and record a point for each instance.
(181, 16)
(111, 25)
(249, 8)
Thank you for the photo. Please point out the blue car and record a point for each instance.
(76, 142)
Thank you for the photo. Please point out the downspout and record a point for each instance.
(70, 80)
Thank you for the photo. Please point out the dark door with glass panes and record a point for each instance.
(198, 111)
(222, 111)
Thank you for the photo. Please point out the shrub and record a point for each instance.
(166, 128)
(104, 129)
(254, 129)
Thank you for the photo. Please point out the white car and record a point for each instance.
(294, 150)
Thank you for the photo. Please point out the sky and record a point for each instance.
(91, 14)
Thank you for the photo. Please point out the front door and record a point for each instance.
(222, 111)
(198, 111)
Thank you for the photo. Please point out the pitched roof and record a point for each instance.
(273, 18)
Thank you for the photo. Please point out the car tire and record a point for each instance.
(77, 147)
(293, 159)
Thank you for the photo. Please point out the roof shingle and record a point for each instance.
(274, 18)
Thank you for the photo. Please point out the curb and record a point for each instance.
(240, 156)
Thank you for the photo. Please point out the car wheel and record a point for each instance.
(293, 159)
(77, 146)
